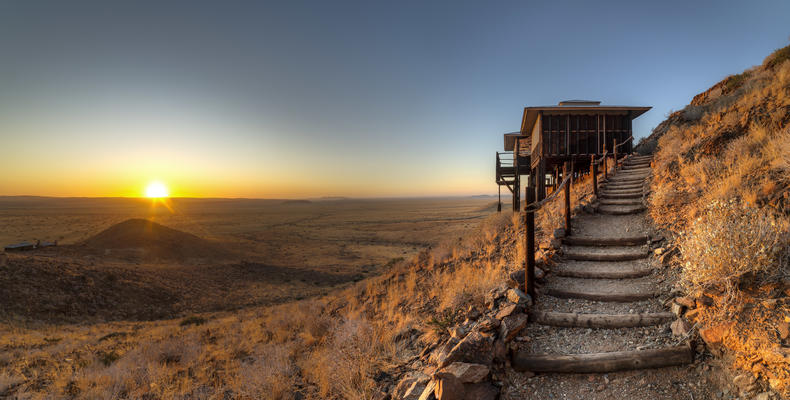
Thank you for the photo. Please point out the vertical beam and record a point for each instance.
(565, 172)
(540, 179)
(594, 173)
(605, 176)
(499, 198)
(614, 150)
(529, 243)
(516, 193)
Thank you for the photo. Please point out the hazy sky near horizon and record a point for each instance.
(302, 99)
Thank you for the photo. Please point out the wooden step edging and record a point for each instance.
(620, 211)
(622, 297)
(608, 321)
(595, 241)
(622, 196)
(605, 257)
(603, 362)
(619, 202)
(625, 273)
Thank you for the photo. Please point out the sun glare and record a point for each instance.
(156, 190)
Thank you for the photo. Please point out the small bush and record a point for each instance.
(441, 322)
(730, 241)
(777, 57)
(193, 320)
(108, 357)
(735, 81)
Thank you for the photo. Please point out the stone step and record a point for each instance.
(621, 196)
(603, 362)
(591, 253)
(605, 321)
(636, 240)
(621, 209)
(621, 188)
(614, 290)
(601, 270)
(621, 191)
(625, 180)
(620, 202)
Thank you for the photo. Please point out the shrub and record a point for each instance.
(730, 241)
(108, 358)
(193, 320)
(777, 57)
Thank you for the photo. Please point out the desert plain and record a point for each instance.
(143, 259)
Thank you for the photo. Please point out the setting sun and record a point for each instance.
(156, 190)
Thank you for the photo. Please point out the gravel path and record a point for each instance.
(680, 382)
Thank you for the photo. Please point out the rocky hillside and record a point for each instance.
(721, 180)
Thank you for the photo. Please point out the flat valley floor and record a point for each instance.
(268, 252)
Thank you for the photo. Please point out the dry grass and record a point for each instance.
(345, 345)
(721, 180)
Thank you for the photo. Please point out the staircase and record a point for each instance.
(599, 310)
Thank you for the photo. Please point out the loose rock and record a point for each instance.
(681, 327)
(474, 348)
(466, 372)
(511, 326)
(519, 297)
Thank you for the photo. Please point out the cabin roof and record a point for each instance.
(531, 113)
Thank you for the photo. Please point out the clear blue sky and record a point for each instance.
(291, 99)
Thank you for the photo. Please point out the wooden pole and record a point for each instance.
(529, 243)
(615, 153)
(499, 201)
(605, 176)
(594, 173)
(565, 172)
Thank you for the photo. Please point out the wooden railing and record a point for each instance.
(529, 221)
(533, 206)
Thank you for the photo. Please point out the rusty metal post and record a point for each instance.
(529, 243)
(565, 172)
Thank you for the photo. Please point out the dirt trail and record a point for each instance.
(599, 286)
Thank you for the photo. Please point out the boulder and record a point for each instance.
(506, 311)
(480, 391)
(512, 325)
(681, 327)
(784, 329)
(458, 332)
(743, 381)
(466, 372)
(440, 353)
(488, 324)
(474, 348)
(448, 387)
(411, 387)
(715, 334)
(686, 301)
(518, 297)
(428, 392)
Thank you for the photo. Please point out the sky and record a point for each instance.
(296, 99)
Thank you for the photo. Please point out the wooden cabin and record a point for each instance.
(571, 131)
